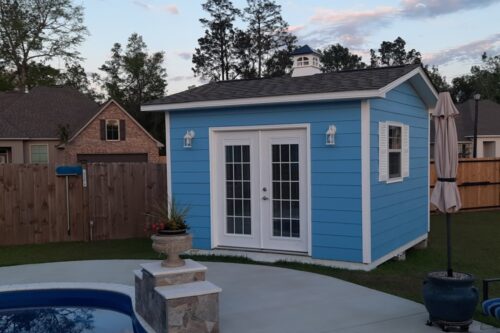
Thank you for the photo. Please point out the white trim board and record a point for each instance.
(262, 256)
(283, 99)
(366, 182)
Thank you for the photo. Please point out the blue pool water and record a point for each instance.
(67, 311)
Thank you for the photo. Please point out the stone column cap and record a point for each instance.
(188, 290)
(156, 269)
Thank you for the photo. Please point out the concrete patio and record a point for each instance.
(264, 299)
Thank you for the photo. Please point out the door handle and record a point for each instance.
(265, 198)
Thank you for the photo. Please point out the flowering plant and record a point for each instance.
(168, 216)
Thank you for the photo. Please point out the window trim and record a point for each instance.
(31, 152)
(400, 151)
(106, 129)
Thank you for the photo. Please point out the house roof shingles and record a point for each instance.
(38, 113)
(349, 80)
(488, 118)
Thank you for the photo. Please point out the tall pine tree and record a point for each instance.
(267, 32)
(214, 57)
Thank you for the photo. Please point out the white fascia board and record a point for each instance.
(361, 94)
(406, 77)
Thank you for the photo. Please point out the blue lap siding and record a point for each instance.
(335, 171)
(399, 211)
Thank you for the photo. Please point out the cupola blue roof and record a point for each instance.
(306, 49)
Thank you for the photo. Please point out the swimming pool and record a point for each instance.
(68, 310)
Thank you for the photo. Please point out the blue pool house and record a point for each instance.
(330, 168)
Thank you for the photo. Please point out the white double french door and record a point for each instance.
(260, 193)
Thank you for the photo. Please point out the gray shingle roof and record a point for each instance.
(488, 118)
(38, 113)
(350, 80)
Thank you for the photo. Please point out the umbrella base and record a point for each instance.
(449, 326)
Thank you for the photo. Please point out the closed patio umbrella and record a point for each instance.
(445, 195)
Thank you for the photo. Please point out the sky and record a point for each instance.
(451, 34)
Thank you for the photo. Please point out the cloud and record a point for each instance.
(180, 78)
(466, 52)
(433, 8)
(353, 27)
(184, 55)
(349, 27)
(295, 28)
(171, 9)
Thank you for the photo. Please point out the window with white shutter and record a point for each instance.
(394, 151)
(382, 152)
(406, 151)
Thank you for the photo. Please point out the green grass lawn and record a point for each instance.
(475, 239)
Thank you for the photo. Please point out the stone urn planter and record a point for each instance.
(450, 301)
(172, 246)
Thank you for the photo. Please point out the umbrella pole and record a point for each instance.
(448, 243)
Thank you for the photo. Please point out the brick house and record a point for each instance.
(62, 126)
(112, 135)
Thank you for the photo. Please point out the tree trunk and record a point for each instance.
(259, 47)
(22, 76)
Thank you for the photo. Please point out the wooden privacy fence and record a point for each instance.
(478, 182)
(112, 205)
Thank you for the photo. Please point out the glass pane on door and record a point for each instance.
(285, 190)
(238, 196)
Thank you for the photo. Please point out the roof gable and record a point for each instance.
(102, 109)
(352, 84)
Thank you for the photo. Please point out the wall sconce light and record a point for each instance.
(330, 135)
(188, 139)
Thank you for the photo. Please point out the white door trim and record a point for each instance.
(212, 131)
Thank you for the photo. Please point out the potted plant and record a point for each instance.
(170, 236)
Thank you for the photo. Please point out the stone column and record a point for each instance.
(177, 299)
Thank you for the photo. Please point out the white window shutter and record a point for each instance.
(405, 163)
(383, 156)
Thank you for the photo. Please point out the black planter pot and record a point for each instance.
(450, 301)
(171, 232)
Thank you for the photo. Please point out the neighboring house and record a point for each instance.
(488, 129)
(261, 172)
(61, 125)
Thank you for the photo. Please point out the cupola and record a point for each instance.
(305, 61)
